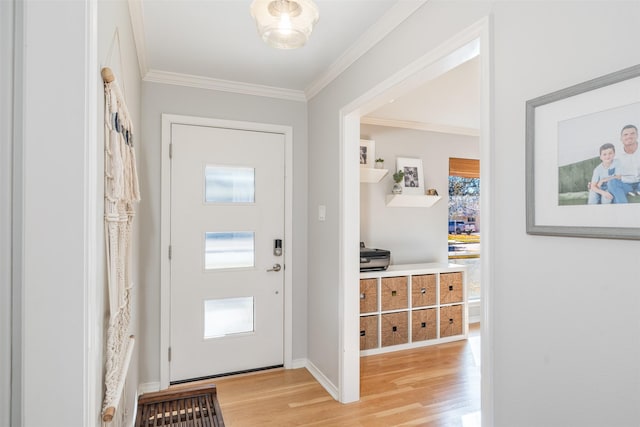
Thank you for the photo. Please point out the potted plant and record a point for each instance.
(397, 178)
(380, 163)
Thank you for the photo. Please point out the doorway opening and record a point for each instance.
(474, 41)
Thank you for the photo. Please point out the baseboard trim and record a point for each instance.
(148, 388)
(299, 363)
(322, 379)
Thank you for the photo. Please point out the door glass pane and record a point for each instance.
(228, 316)
(229, 250)
(225, 184)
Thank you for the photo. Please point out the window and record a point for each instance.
(224, 184)
(228, 316)
(464, 219)
(229, 250)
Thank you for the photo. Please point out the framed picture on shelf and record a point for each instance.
(367, 153)
(581, 179)
(413, 182)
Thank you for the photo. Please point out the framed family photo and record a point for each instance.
(413, 182)
(367, 153)
(583, 159)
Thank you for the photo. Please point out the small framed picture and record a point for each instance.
(367, 153)
(413, 182)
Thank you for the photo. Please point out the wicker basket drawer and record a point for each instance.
(450, 288)
(368, 332)
(395, 329)
(423, 290)
(423, 325)
(368, 295)
(394, 293)
(451, 321)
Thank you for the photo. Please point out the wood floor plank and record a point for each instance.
(436, 386)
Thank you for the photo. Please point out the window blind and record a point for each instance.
(466, 168)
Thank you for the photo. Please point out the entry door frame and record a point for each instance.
(165, 229)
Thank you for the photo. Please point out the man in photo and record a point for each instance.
(605, 186)
(629, 159)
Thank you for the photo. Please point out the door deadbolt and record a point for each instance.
(277, 247)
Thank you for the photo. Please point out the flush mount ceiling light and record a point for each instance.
(285, 24)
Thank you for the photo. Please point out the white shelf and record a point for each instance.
(411, 200)
(372, 175)
(413, 269)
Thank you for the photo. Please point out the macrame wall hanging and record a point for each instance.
(120, 195)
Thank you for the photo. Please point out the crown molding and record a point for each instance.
(429, 127)
(396, 15)
(137, 27)
(180, 79)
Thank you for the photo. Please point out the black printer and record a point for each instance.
(373, 259)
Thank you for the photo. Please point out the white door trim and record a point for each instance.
(6, 183)
(93, 223)
(420, 71)
(165, 231)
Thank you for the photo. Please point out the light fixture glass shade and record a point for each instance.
(285, 24)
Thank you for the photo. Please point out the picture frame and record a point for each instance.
(566, 131)
(413, 181)
(367, 153)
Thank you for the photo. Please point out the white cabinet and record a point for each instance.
(413, 305)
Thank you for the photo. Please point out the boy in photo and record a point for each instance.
(605, 186)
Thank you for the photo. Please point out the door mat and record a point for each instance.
(184, 407)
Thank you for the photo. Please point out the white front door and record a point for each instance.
(227, 213)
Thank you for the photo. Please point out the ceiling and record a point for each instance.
(214, 44)
(449, 103)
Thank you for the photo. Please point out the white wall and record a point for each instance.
(565, 328)
(413, 235)
(159, 99)
(551, 314)
(119, 54)
(59, 276)
(55, 222)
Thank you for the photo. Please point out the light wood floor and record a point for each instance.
(430, 386)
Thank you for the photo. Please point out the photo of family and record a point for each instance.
(413, 179)
(363, 154)
(411, 176)
(367, 153)
(599, 158)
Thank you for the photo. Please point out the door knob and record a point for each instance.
(276, 267)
